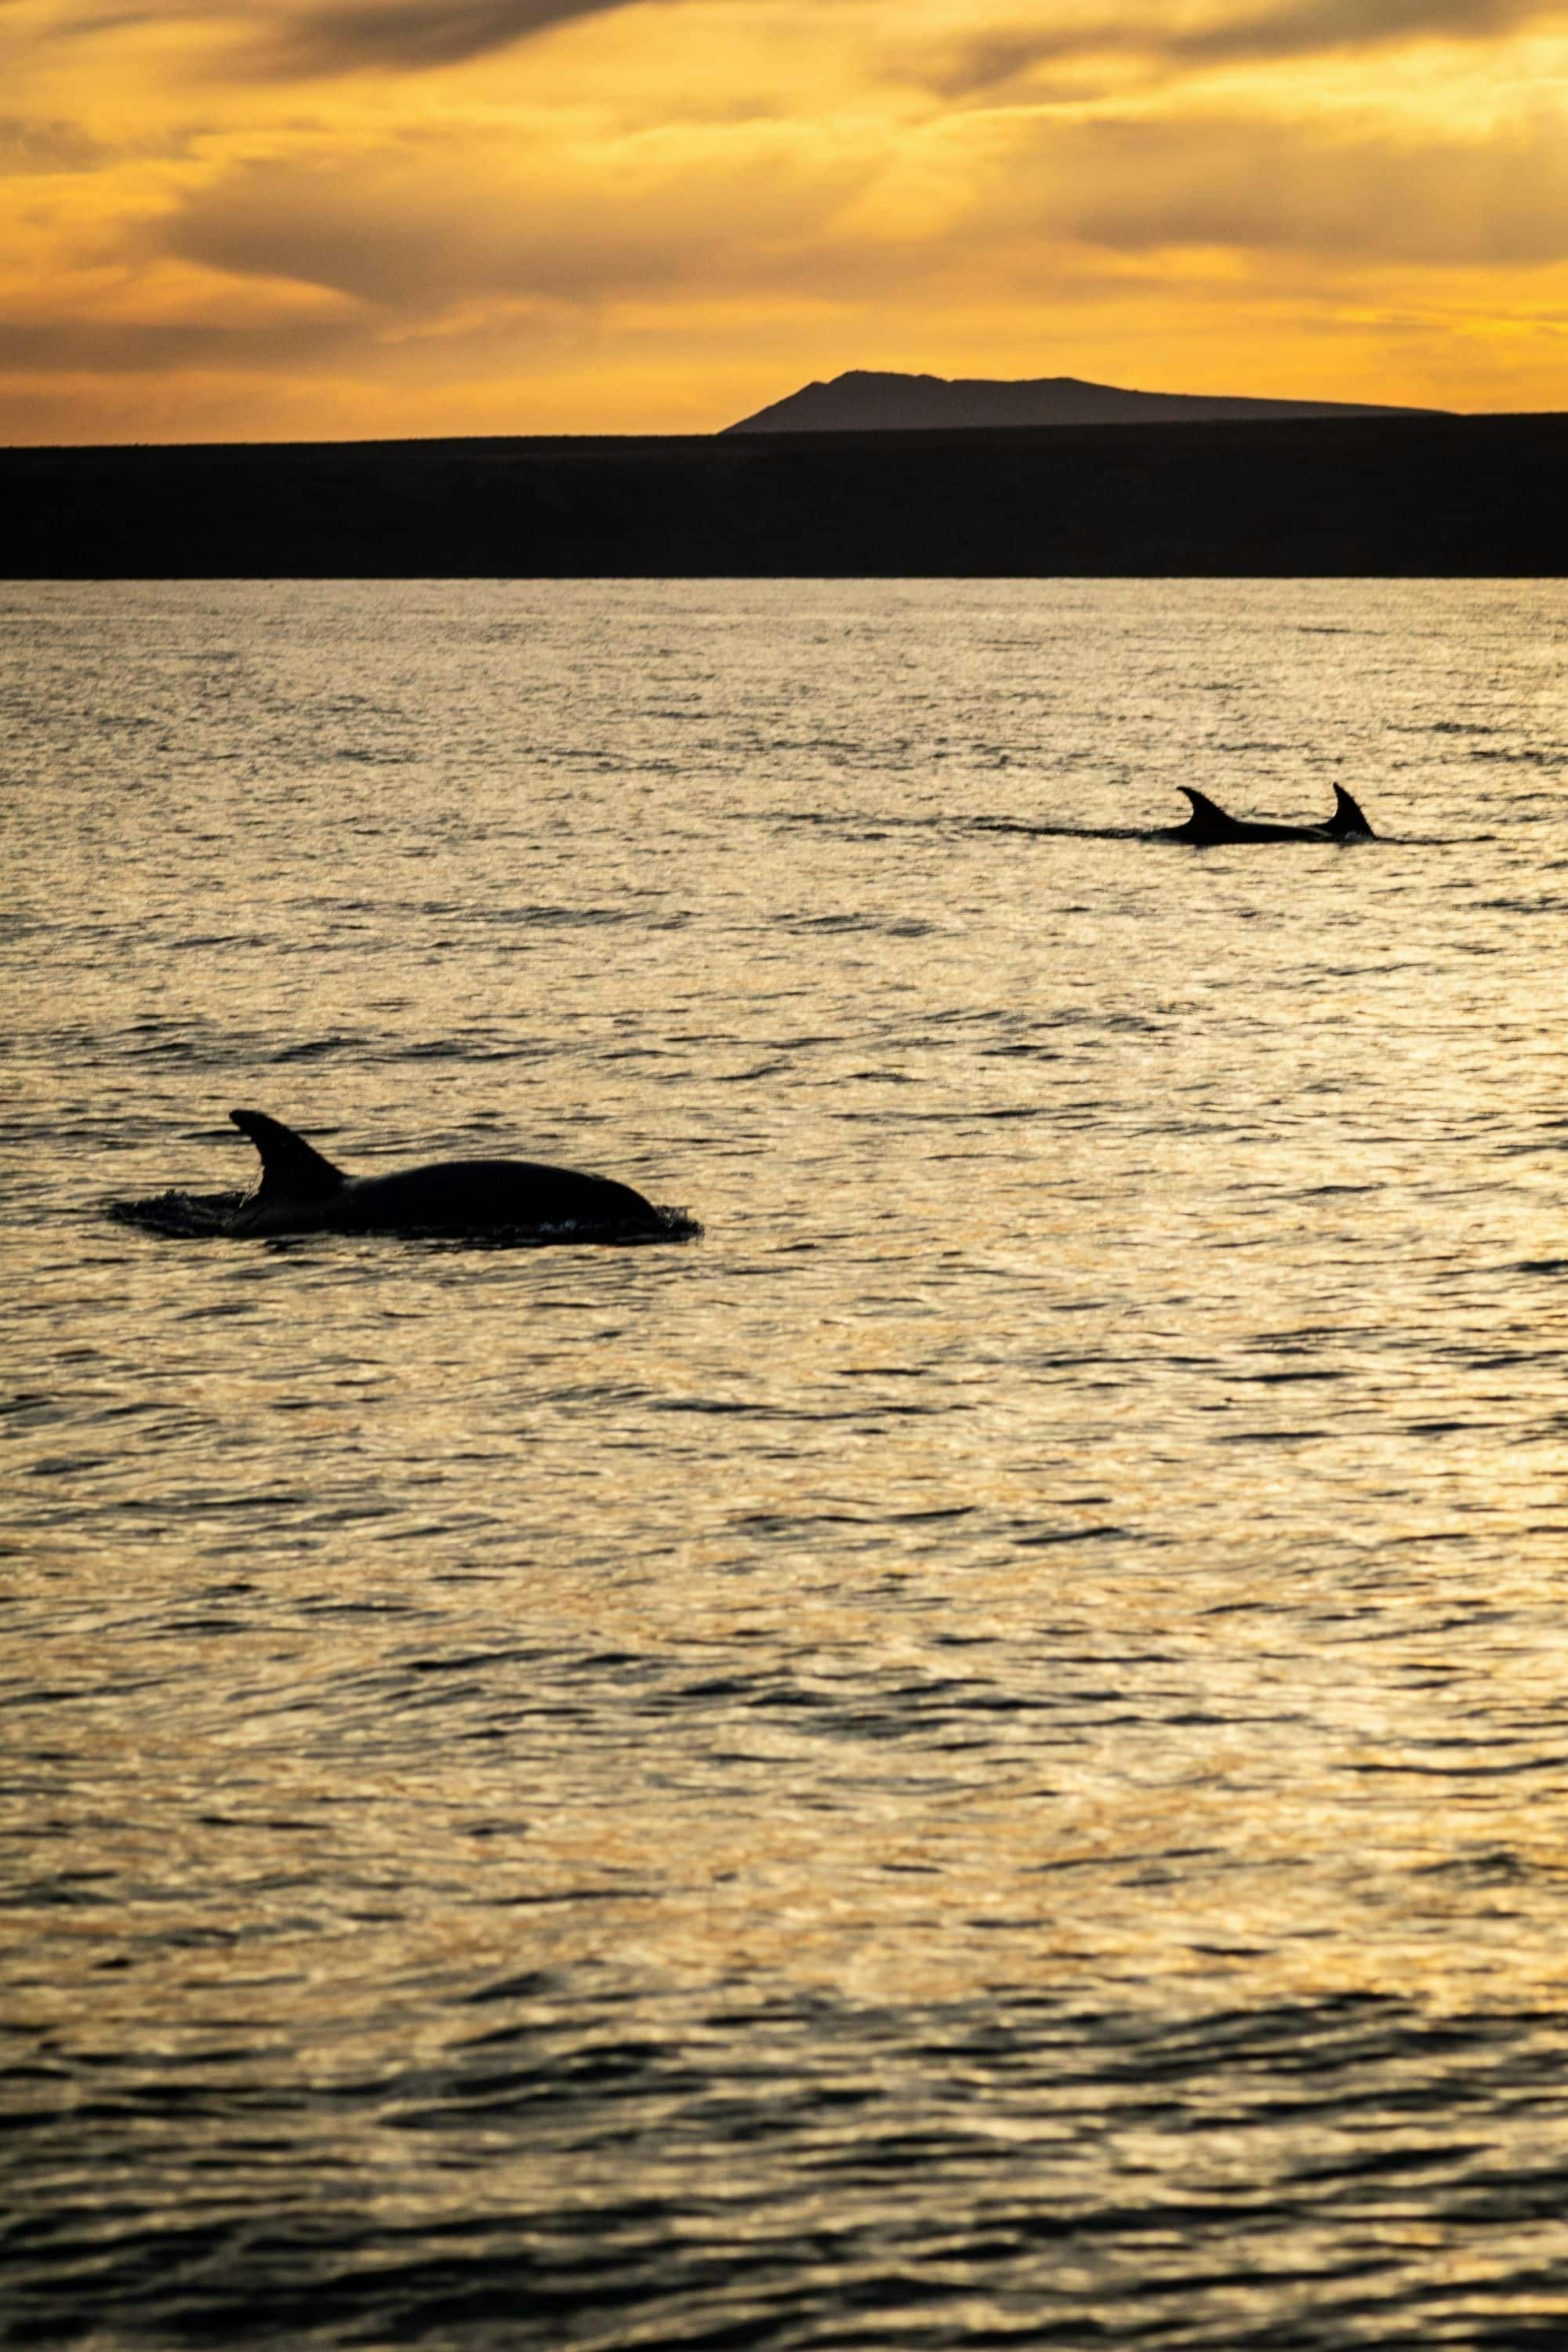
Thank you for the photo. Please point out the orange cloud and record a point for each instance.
(1357, 189)
(431, 222)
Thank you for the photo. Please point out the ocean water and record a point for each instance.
(976, 1756)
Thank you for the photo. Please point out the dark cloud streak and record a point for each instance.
(350, 37)
(100, 347)
(411, 36)
(28, 148)
(1313, 24)
(1298, 29)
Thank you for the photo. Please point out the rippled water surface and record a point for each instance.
(977, 1756)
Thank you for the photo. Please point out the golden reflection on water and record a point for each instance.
(1086, 1520)
(1307, 1821)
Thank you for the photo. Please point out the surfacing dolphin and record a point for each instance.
(301, 1193)
(1210, 823)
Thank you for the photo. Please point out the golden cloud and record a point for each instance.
(430, 221)
(1357, 191)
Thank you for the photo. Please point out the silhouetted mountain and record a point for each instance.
(866, 401)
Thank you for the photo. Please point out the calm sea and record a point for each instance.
(978, 1756)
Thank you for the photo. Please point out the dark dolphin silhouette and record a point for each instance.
(301, 1193)
(1210, 823)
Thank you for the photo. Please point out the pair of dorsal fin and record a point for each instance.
(290, 1168)
(1347, 822)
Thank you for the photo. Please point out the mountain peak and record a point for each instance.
(872, 400)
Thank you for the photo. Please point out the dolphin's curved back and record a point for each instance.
(292, 1168)
(1348, 823)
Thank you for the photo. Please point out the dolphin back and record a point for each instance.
(292, 1168)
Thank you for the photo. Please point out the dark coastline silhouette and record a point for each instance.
(1414, 497)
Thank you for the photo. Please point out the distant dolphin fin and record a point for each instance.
(1348, 820)
(289, 1166)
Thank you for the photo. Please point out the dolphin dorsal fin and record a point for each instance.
(1209, 821)
(290, 1165)
(1348, 818)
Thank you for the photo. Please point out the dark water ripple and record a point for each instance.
(771, 2176)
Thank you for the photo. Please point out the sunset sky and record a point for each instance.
(424, 216)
